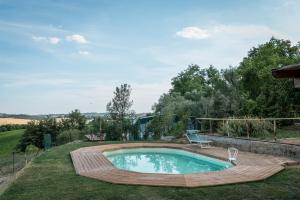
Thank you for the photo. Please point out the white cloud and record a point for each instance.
(77, 38)
(230, 42)
(233, 31)
(84, 53)
(193, 33)
(54, 40)
(50, 40)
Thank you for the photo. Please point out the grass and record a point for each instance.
(286, 133)
(52, 176)
(8, 141)
(281, 134)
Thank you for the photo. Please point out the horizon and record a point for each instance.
(59, 56)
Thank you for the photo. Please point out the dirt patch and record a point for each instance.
(290, 141)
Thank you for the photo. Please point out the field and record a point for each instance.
(52, 176)
(8, 141)
(5, 121)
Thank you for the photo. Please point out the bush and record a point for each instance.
(178, 130)
(11, 127)
(256, 128)
(68, 136)
(30, 152)
(114, 131)
(35, 131)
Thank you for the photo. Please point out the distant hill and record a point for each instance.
(88, 115)
(20, 116)
(43, 116)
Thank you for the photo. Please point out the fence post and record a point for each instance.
(210, 126)
(227, 127)
(274, 129)
(247, 127)
(13, 154)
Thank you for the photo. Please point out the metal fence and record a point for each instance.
(11, 164)
(280, 127)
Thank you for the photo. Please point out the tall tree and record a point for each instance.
(267, 96)
(119, 111)
(74, 120)
(191, 79)
(119, 106)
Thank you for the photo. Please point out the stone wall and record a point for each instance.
(256, 146)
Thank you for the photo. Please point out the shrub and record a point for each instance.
(30, 152)
(10, 127)
(255, 128)
(68, 136)
(114, 131)
(178, 129)
(35, 131)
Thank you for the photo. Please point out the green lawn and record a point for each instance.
(52, 176)
(286, 133)
(8, 141)
(280, 134)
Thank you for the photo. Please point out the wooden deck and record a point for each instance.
(90, 162)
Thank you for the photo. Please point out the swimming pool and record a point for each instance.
(164, 161)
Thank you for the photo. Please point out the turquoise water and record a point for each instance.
(164, 160)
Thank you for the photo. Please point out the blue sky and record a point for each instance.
(56, 56)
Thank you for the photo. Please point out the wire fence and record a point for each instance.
(258, 128)
(11, 164)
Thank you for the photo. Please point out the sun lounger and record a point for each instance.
(196, 138)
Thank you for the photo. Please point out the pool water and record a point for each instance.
(164, 160)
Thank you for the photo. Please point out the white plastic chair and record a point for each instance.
(232, 154)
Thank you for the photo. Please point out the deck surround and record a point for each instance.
(90, 162)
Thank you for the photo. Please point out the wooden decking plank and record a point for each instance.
(90, 162)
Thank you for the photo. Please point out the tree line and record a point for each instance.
(248, 89)
(116, 125)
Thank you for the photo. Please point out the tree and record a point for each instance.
(265, 95)
(246, 90)
(171, 113)
(74, 120)
(119, 111)
(119, 106)
(191, 79)
(35, 131)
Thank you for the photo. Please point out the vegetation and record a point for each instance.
(8, 142)
(68, 136)
(30, 151)
(119, 106)
(74, 120)
(11, 127)
(251, 128)
(36, 130)
(52, 176)
(246, 90)
(120, 114)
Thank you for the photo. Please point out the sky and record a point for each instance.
(56, 56)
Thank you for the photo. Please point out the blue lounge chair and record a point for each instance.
(196, 138)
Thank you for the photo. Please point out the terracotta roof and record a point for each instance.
(289, 71)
